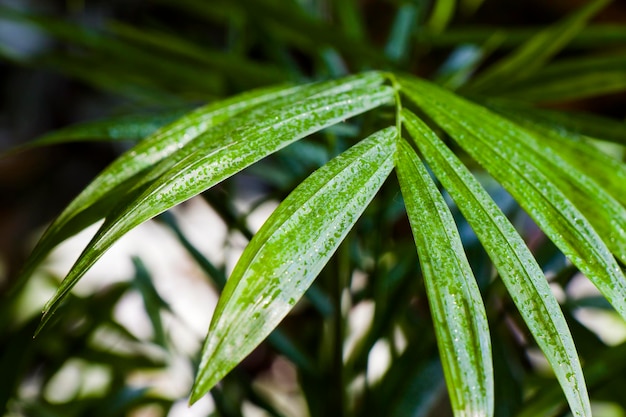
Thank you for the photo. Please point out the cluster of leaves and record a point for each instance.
(433, 138)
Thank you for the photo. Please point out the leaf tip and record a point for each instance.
(198, 390)
(45, 318)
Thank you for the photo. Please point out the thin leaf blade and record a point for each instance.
(223, 157)
(289, 251)
(518, 269)
(489, 139)
(148, 152)
(536, 51)
(172, 143)
(458, 312)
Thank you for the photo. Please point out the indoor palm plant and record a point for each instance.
(434, 138)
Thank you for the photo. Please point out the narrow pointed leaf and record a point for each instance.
(156, 147)
(535, 52)
(595, 203)
(133, 127)
(458, 312)
(221, 158)
(518, 269)
(593, 181)
(289, 251)
(586, 124)
(119, 178)
(233, 67)
(580, 152)
(570, 79)
(492, 141)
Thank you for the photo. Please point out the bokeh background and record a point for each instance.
(127, 342)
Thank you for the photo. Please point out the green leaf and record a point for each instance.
(580, 152)
(570, 79)
(591, 37)
(289, 251)
(350, 18)
(122, 57)
(124, 174)
(289, 24)
(239, 70)
(592, 180)
(463, 62)
(494, 143)
(398, 44)
(573, 123)
(217, 157)
(535, 52)
(604, 212)
(134, 127)
(457, 309)
(518, 269)
(443, 11)
(116, 181)
(108, 187)
(469, 7)
(567, 87)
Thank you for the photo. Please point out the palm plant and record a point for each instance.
(447, 141)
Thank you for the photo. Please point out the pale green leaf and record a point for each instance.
(220, 156)
(535, 52)
(518, 269)
(458, 312)
(289, 251)
(494, 143)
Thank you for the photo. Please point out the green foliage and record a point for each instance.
(453, 152)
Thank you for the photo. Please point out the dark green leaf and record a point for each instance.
(567, 86)
(535, 52)
(591, 37)
(122, 128)
(569, 122)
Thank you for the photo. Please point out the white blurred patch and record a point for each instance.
(606, 324)
(359, 321)
(379, 360)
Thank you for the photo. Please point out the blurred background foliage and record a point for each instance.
(361, 344)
